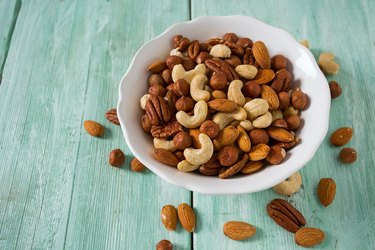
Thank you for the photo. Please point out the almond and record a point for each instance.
(157, 66)
(166, 157)
(264, 76)
(259, 152)
(169, 217)
(341, 136)
(268, 94)
(261, 55)
(309, 237)
(243, 140)
(93, 128)
(222, 105)
(227, 136)
(280, 134)
(238, 230)
(252, 167)
(326, 191)
(186, 216)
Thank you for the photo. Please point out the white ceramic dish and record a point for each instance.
(305, 70)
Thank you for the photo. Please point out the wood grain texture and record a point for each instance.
(64, 65)
(344, 28)
(8, 16)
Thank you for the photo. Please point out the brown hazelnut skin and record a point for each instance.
(218, 81)
(181, 87)
(281, 123)
(227, 156)
(234, 61)
(293, 121)
(116, 158)
(335, 89)
(258, 136)
(278, 62)
(276, 155)
(348, 155)
(299, 99)
(164, 245)
(230, 37)
(188, 63)
(251, 89)
(245, 42)
(184, 103)
(184, 44)
(202, 56)
(157, 90)
(136, 165)
(176, 40)
(172, 61)
(167, 76)
(284, 99)
(155, 79)
(180, 155)
(182, 140)
(146, 124)
(210, 128)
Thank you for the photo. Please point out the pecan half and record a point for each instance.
(248, 57)
(282, 81)
(214, 41)
(285, 215)
(166, 130)
(111, 116)
(221, 67)
(193, 49)
(157, 110)
(235, 48)
(234, 169)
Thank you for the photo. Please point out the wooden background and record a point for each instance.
(61, 62)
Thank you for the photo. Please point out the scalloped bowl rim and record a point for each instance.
(238, 185)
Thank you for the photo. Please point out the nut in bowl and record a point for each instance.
(238, 112)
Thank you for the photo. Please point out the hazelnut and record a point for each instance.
(136, 165)
(184, 103)
(116, 158)
(299, 99)
(157, 90)
(182, 140)
(245, 42)
(335, 89)
(155, 79)
(180, 155)
(203, 46)
(258, 136)
(167, 76)
(227, 156)
(251, 89)
(284, 99)
(234, 61)
(218, 94)
(171, 61)
(293, 121)
(202, 56)
(276, 155)
(188, 63)
(280, 123)
(348, 155)
(278, 62)
(171, 100)
(176, 40)
(218, 81)
(230, 37)
(184, 44)
(164, 245)
(181, 87)
(210, 128)
(146, 124)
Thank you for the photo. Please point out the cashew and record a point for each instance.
(197, 85)
(165, 144)
(290, 111)
(143, 101)
(247, 125)
(256, 107)
(202, 155)
(290, 186)
(263, 121)
(194, 121)
(179, 72)
(220, 50)
(305, 43)
(246, 71)
(327, 63)
(276, 114)
(176, 52)
(234, 92)
(185, 166)
(223, 119)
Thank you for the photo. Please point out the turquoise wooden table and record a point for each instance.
(61, 62)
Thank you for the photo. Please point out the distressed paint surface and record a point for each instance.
(63, 66)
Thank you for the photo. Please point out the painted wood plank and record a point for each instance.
(8, 16)
(344, 28)
(58, 190)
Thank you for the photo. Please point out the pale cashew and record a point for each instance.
(247, 125)
(185, 166)
(197, 85)
(194, 121)
(165, 144)
(220, 50)
(223, 119)
(235, 93)
(290, 186)
(176, 52)
(179, 72)
(246, 71)
(256, 107)
(276, 114)
(327, 63)
(263, 121)
(200, 156)
(290, 111)
(143, 101)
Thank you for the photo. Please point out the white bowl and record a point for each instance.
(306, 72)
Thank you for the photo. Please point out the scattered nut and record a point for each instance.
(238, 230)
(186, 216)
(164, 245)
(116, 158)
(342, 136)
(93, 128)
(348, 155)
(290, 186)
(335, 89)
(136, 165)
(327, 63)
(111, 116)
(326, 191)
(305, 43)
(169, 217)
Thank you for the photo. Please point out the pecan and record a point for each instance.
(235, 48)
(214, 41)
(234, 169)
(248, 57)
(111, 116)
(166, 130)
(157, 110)
(285, 215)
(221, 67)
(282, 80)
(171, 100)
(193, 49)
